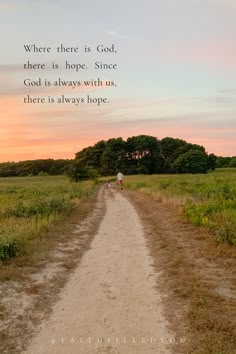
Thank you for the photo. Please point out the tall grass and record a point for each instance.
(29, 205)
(209, 200)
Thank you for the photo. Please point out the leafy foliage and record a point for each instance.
(233, 162)
(8, 248)
(192, 161)
(222, 161)
(141, 154)
(138, 154)
(34, 168)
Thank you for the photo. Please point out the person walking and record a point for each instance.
(120, 178)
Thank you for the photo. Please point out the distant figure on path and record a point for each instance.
(120, 178)
(108, 184)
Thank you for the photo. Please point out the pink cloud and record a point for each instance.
(62, 131)
(66, 145)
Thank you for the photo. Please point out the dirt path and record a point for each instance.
(110, 303)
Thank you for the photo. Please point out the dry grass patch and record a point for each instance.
(193, 267)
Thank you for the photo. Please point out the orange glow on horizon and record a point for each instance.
(26, 134)
(67, 149)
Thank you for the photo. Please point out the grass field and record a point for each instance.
(198, 274)
(209, 200)
(29, 205)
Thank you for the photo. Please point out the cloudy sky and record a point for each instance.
(175, 76)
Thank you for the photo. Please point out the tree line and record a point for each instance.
(142, 154)
(34, 167)
(223, 161)
(138, 154)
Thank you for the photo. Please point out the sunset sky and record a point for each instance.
(175, 76)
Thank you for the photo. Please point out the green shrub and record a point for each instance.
(8, 248)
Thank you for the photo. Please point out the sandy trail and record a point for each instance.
(110, 303)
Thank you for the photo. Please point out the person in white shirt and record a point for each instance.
(120, 178)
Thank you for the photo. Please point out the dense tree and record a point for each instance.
(172, 148)
(212, 162)
(222, 161)
(91, 155)
(113, 156)
(192, 161)
(8, 169)
(138, 154)
(34, 167)
(168, 150)
(77, 173)
(233, 162)
(143, 154)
